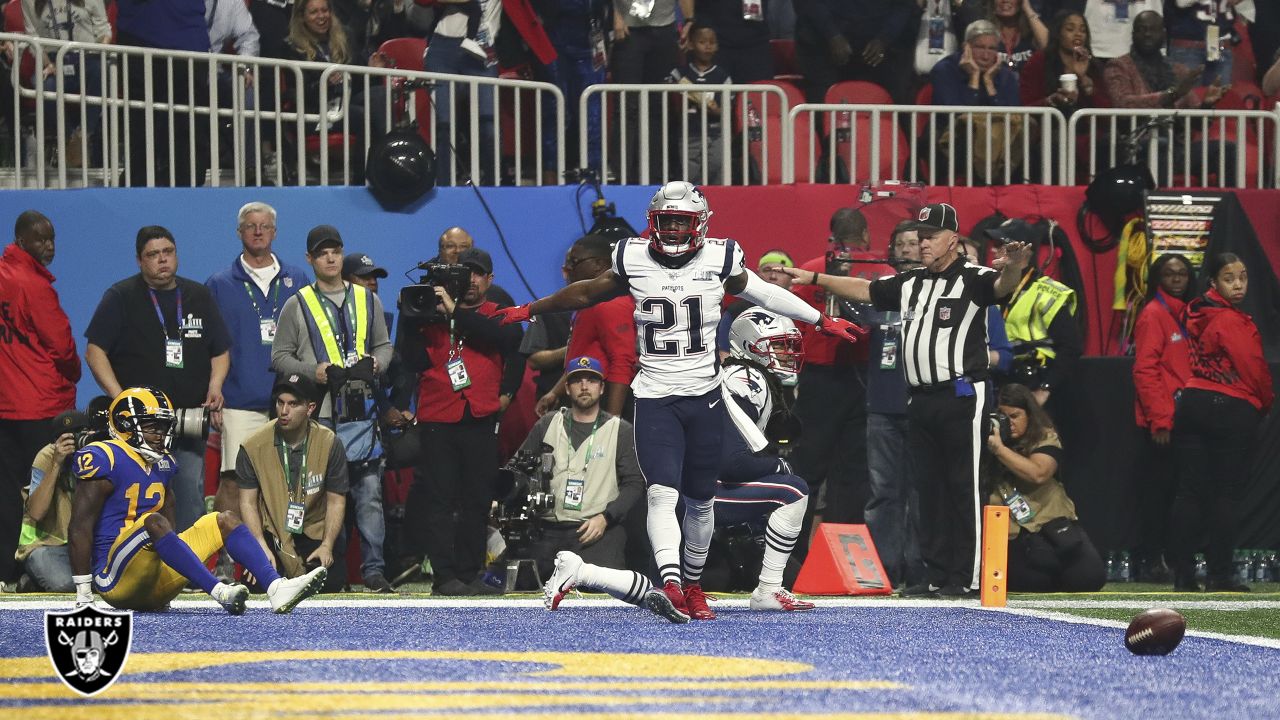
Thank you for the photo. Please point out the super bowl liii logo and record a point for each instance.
(88, 646)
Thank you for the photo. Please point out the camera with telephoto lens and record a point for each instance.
(95, 431)
(998, 422)
(420, 301)
(191, 423)
(524, 495)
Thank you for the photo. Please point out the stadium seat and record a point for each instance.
(857, 92)
(924, 96)
(859, 128)
(406, 53)
(771, 116)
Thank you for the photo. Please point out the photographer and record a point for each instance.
(42, 547)
(163, 331)
(460, 356)
(1048, 549)
(281, 469)
(595, 479)
(335, 331)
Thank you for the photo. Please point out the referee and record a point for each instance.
(944, 353)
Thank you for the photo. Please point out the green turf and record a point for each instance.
(1258, 622)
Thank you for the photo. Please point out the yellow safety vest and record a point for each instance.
(323, 336)
(1034, 309)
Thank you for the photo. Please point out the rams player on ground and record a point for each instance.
(122, 527)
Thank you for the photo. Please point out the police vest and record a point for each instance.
(274, 491)
(332, 337)
(1031, 313)
(598, 473)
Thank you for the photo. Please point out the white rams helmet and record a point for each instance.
(140, 409)
(769, 339)
(678, 216)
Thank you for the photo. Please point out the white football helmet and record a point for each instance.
(770, 339)
(678, 216)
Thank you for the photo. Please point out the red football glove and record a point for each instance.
(509, 315)
(843, 329)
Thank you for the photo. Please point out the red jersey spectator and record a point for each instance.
(1161, 365)
(39, 367)
(1215, 427)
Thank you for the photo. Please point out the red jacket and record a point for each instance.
(1161, 363)
(437, 400)
(1226, 351)
(607, 332)
(820, 349)
(39, 365)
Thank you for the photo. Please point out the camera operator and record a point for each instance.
(42, 547)
(462, 390)
(335, 332)
(163, 331)
(1048, 549)
(595, 479)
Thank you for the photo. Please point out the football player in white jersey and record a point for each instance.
(765, 354)
(678, 278)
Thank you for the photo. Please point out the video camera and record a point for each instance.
(420, 301)
(524, 494)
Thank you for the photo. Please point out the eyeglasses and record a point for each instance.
(264, 227)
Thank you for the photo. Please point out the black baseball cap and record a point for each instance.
(476, 259)
(300, 385)
(322, 234)
(70, 421)
(1015, 230)
(939, 216)
(361, 265)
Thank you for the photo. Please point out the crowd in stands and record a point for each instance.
(1066, 54)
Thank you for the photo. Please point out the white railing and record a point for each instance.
(655, 120)
(935, 144)
(1183, 148)
(262, 105)
(255, 125)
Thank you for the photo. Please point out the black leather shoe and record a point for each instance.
(957, 592)
(480, 587)
(922, 590)
(452, 587)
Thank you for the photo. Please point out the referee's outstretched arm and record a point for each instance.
(850, 288)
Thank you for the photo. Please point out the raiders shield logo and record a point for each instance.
(944, 314)
(88, 646)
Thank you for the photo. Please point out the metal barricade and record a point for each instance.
(1183, 148)
(161, 117)
(947, 145)
(668, 132)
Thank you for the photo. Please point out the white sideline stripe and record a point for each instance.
(1081, 620)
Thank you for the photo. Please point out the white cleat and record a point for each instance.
(778, 599)
(231, 596)
(562, 580)
(285, 594)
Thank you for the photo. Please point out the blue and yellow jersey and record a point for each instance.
(137, 488)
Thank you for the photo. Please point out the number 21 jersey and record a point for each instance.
(677, 311)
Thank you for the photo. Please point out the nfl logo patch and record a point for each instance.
(944, 314)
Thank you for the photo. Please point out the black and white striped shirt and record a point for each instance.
(944, 320)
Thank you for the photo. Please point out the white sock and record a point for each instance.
(664, 531)
(625, 585)
(779, 540)
(699, 524)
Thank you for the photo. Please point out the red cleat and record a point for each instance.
(667, 602)
(696, 601)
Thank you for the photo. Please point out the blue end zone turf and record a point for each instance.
(625, 662)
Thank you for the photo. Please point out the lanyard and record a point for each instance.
(1013, 299)
(160, 315)
(283, 448)
(1186, 335)
(590, 442)
(455, 342)
(344, 339)
(275, 297)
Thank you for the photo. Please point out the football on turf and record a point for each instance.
(1155, 632)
